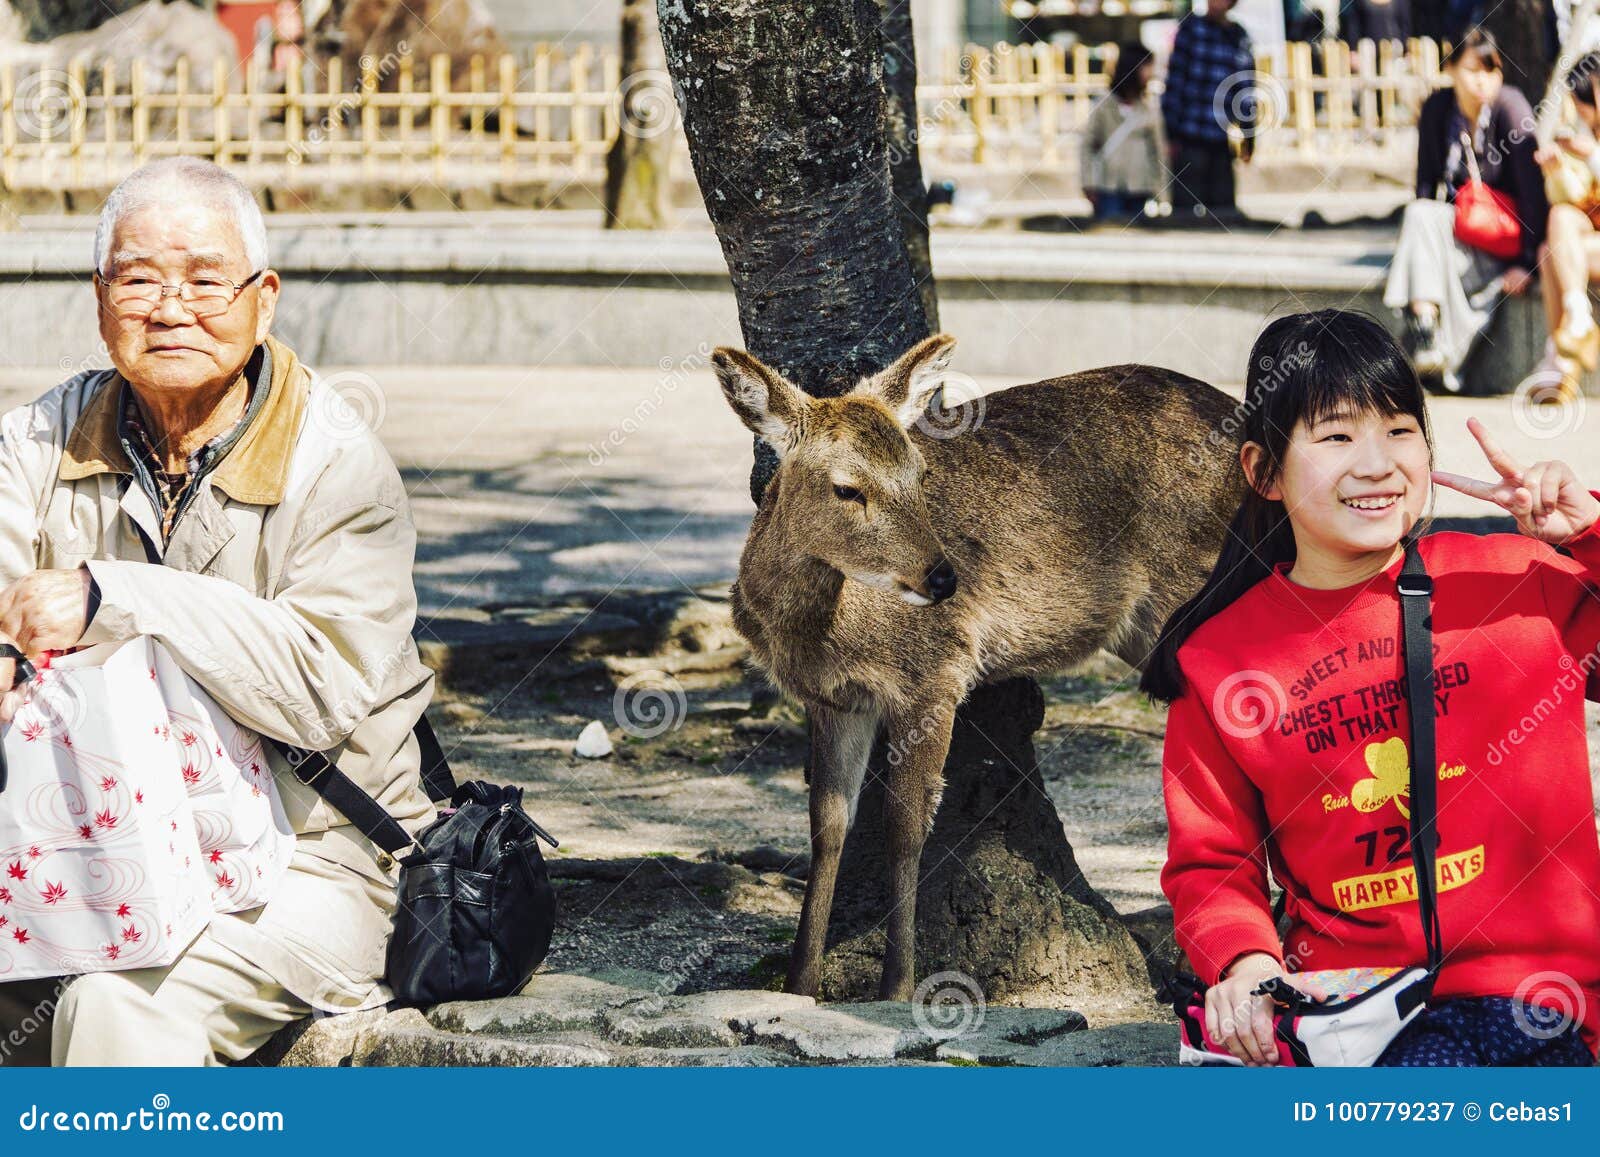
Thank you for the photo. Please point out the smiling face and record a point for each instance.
(1352, 483)
(169, 350)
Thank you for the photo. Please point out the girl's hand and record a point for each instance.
(1242, 1023)
(1579, 147)
(1547, 160)
(1515, 280)
(1546, 498)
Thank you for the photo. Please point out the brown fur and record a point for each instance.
(1077, 515)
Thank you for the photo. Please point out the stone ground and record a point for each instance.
(577, 529)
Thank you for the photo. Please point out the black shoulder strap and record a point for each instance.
(342, 793)
(1416, 615)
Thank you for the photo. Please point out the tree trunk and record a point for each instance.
(47, 19)
(784, 109)
(639, 165)
(1518, 26)
(901, 129)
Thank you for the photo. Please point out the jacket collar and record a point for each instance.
(255, 470)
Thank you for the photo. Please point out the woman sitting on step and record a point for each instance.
(1447, 290)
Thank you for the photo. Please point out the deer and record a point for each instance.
(894, 563)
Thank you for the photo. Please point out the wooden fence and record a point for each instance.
(547, 114)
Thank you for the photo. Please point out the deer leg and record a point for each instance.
(917, 751)
(841, 743)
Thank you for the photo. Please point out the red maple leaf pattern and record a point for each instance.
(113, 951)
(5, 895)
(85, 832)
(4, 920)
(174, 825)
(191, 773)
(34, 852)
(20, 935)
(122, 911)
(255, 768)
(105, 818)
(216, 855)
(108, 783)
(169, 931)
(32, 731)
(132, 935)
(255, 790)
(152, 674)
(16, 871)
(224, 880)
(54, 893)
(66, 741)
(138, 796)
(219, 752)
(188, 738)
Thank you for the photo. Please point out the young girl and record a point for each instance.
(1287, 736)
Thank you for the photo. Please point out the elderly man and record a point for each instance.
(208, 492)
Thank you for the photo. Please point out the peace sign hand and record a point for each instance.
(1546, 498)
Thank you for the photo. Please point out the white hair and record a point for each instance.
(174, 178)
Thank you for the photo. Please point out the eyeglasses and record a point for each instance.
(138, 295)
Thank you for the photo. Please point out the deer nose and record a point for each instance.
(941, 581)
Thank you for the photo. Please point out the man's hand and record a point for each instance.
(1515, 280)
(47, 610)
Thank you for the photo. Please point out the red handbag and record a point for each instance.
(1486, 218)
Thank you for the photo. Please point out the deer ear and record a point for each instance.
(764, 399)
(910, 382)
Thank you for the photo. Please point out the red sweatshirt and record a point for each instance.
(1289, 749)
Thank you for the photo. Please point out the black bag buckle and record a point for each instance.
(1415, 584)
(24, 669)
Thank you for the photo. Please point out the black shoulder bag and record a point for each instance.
(475, 910)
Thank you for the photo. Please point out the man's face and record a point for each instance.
(167, 349)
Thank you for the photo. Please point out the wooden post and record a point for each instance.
(221, 122)
(369, 116)
(8, 124)
(438, 102)
(508, 114)
(141, 111)
(293, 114)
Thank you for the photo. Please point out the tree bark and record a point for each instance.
(47, 19)
(902, 126)
(784, 109)
(639, 165)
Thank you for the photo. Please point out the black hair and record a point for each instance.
(1303, 366)
(1478, 43)
(1125, 73)
(1581, 80)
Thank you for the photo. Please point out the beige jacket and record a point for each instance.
(1124, 148)
(286, 591)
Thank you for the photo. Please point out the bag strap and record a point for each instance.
(1416, 593)
(1470, 155)
(322, 775)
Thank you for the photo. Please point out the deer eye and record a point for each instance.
(848, 494)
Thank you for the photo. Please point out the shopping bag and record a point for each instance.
(100, 865)
(245, 837)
